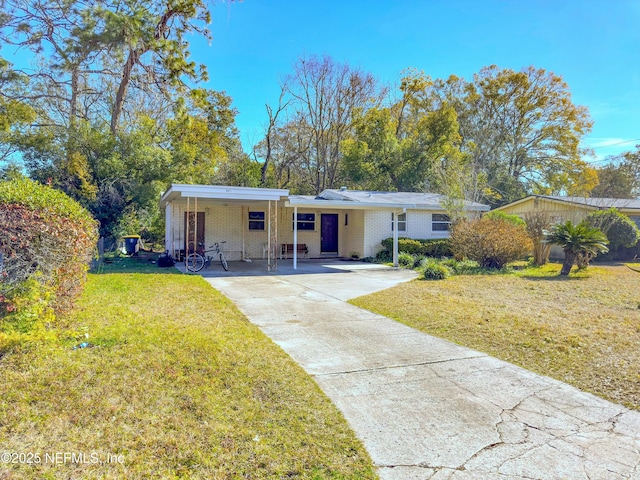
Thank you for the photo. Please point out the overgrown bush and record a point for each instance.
(46, 242)
(620, 230)
(433, 269)
(428, 248)
(491, 242)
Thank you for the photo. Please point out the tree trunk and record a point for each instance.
(569, 259)
(132, 59)
(122, 88)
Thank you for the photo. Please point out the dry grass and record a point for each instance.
(179, 384)
(583, 330)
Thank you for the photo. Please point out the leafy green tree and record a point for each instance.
(522, 132)
(15, 114)
(620, 178)
(408, 146)
(114, 112)
(580, 243)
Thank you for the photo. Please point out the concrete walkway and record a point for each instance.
(424, 407)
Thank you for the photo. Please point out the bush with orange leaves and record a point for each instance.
(492, 242)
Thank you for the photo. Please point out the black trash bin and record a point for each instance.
(131, 244)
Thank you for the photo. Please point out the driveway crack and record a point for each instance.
(391, 367)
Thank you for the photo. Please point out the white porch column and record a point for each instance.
(168, 230)
(269, 256)
(295, 238)
(395, 238)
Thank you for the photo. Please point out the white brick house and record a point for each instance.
(257, 222)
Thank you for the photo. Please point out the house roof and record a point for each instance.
(344, 198)
(590, 202)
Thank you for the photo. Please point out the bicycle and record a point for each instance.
(199, 260)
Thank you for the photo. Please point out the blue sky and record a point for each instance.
(593, 45)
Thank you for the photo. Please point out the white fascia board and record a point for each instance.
(231, 196)
(218, 192)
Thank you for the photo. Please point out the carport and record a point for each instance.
(193, 212)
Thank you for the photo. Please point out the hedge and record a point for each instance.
(46, 241)
(428, 248)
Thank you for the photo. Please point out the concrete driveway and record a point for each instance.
(424, 407)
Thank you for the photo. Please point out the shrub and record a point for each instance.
(405, 260)
(462, 267)
(46, 242)
(417, 260)
(383, 256)
(428, 248)
(581, 243)
(620, 230)
(433, 269)
(491, 242)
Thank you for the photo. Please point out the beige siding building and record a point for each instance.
(575, 209)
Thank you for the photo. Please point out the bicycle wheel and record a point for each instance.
(194, 262)
(223, 261)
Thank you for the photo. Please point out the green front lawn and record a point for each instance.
(583, 329)
(176, 384)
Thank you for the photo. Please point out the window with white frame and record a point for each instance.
(440, 222)
(306, 221)
(256, 221)
(402, 222)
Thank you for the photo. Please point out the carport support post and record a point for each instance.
(395, 238)
(295, 238)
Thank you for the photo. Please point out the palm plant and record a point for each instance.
(580, 243)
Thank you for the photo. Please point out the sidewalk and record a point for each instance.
(424, 407)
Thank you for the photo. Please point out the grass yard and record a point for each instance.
(583, 330)
(178, 384)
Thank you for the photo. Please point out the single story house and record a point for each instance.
(561, 209)
(269, 223)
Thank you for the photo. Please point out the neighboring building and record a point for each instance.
(561, 209)
(335, 223)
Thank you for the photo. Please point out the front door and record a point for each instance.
(329, 233)
(191, 245)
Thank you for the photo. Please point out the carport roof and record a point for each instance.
(223, 193)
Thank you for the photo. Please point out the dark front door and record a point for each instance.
(193, 238)
(329, 233)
